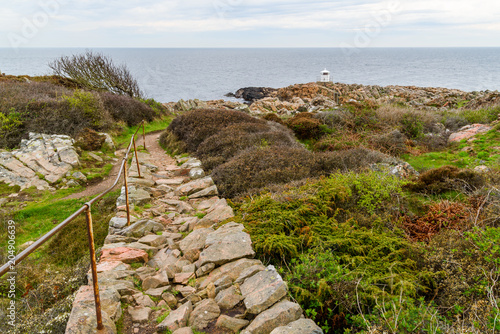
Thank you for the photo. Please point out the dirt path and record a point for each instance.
(157, 153)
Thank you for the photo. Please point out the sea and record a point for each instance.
(202, 73)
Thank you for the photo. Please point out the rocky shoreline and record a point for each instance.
(324, 96)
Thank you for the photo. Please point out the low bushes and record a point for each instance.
(258, 167)
(49, 108)
(447, 178)
(305, 126)
(219, 148)
(335, 267)
(197, 125)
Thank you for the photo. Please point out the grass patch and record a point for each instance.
(157, 125)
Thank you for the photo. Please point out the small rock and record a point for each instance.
(301, 326)
(177, 318)
(169, 299)
(95, 157)
(79, 176)
(139, 314)
(153, 240)
(230, 323)
(124, 254)
(184, 330)
(196, 173)
(205, 312)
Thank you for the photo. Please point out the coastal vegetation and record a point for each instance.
(376, 220)
(364, 250)
(47, 279)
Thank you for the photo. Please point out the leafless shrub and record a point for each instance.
(97, 71)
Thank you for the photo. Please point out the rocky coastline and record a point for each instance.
(323, 96)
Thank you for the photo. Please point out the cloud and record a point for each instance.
(286, 18)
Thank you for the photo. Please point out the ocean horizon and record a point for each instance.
(171, 74)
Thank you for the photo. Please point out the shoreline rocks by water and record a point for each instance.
(322, 96)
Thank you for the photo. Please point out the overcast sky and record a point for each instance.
(249, 23)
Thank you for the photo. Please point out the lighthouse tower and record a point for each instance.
(325, 76)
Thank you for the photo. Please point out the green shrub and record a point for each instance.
(412, 126)
(88, 104)
(484, 116)
(170, 143)
(335, 266)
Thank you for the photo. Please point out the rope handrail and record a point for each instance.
(86, 208)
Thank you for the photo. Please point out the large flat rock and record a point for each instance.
(301, 326)
(280, 314)
(263, 290)
(227, 244)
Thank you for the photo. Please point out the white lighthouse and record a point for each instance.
(325, 76)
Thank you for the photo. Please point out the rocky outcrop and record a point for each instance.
(252, 94)
(323, 96)
(49, 156)
(205, 280)
(468, 131)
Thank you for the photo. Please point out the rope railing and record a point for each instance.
(87, 209)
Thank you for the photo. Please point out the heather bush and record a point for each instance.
(353, 159)
(220, 147)
(392, 143)
(170, 143)
(273, 118)
(447, 178)
(89, 140)
(197, 125)
(258, 167)
(129, 110)
(305, 126)
(53, 109)
(336, 119)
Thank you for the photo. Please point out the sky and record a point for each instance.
(249, 23)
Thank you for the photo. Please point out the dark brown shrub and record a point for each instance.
(447, 178)
(126, 109)
(218, 148)
(197, 125)
(305, 126)
(342, 141)
(392, 143)
(453, 123)
(353, 159)
(273, 118)
(259, 167)
(89, 140)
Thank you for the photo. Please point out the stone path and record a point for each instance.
(174, 269)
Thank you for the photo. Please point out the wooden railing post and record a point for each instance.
(144, 135)
(94, 268)
(136, 157)
(126, 192)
